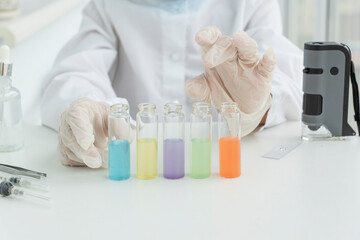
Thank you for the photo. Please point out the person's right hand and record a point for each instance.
(83, 134)
(234, 73)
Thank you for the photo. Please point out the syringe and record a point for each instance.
(7, 189)
(23, 182)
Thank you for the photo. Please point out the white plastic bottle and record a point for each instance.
(11, 127)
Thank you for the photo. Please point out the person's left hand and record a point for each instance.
(83, 133)
(234, 73)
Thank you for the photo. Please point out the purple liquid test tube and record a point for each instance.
(174, 162)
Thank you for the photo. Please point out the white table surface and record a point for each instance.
(312, 193)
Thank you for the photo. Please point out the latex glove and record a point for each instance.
(83, 134)
(233, 72)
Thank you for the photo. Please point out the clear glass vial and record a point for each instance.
(229, 140)
(11, 126)
(146, 141)
(173, 140)
(200, 146)
(119, 142)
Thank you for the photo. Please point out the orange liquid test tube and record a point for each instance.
(229, 140)
(230, 157)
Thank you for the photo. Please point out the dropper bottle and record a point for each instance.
(11, 127)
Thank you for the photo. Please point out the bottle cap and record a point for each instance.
(5, 65)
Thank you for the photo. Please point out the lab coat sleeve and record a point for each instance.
(264, 25)
(82, 66)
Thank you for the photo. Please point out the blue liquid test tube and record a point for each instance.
(119, 142)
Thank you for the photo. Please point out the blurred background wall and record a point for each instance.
(323, 20)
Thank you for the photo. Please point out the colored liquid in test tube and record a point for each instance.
(173, 133)
(229, 155)
(200, 155)
(119, 159)
(229, 141)
(146, 158)
(119, 145)
(174, 164)
(200, 146)
(146, 142)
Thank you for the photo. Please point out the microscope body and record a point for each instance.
(326, 91)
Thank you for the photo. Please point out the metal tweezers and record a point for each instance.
(21, 171)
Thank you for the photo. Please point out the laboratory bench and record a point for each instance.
(311, 193)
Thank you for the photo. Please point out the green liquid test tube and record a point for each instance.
(200, 146)
(200, 158)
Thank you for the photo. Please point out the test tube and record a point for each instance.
(200, 146)
(173, 138)
(229, 140)
(146, 141)
(119, 142)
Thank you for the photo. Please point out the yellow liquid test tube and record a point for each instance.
(146, 158)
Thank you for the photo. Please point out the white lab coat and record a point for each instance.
(126, 51)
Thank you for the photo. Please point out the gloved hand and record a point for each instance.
(234, 73)
(83, 134)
